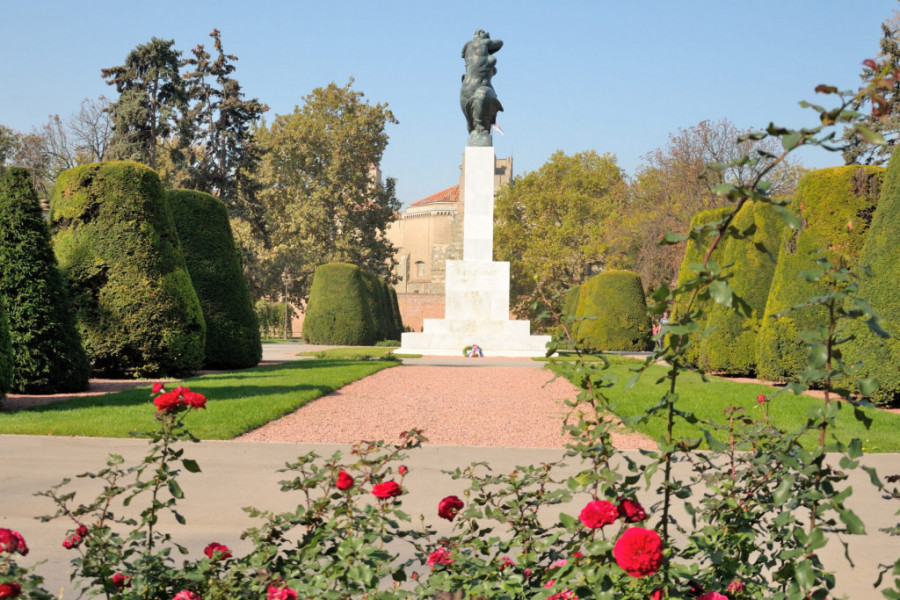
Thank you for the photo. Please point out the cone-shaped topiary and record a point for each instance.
(214, 262)
(138, 313)
(881, 251)
(616, 300)
(338, 310)
(826, 201)
(730, 348)
(47, 353)
(395, 311)
(377, 302)
(5, 354)
(693, 254)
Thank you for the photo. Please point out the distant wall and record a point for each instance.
(416, 307)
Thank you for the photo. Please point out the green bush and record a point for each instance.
(137, 310)
(47, 354)
(395, 312)
(379, 305)
(339, 311)
(5, 354)
(731, 347)
(271, 319)
(881, 251)
(616, 300)
(826, 201)
(214, 263)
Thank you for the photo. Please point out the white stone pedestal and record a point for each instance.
(476, 310)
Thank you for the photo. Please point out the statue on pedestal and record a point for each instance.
(477, 97)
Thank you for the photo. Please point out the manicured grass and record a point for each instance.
(709, 400)
(237, 402)
(356, 353)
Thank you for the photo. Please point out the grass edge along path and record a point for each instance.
(237, 402)
(709, 400)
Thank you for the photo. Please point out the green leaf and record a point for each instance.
(787, 217)
(817, 356)
(672, 238)
(720, 291)
(783, 491)
(791, 140)
(867, 385)
(854, 523)
(872, 137)
(722, 189)
(876, 328)
(191, 465)
(803, 572)
(175, 489)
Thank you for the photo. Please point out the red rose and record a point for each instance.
(631, 511)
(441, 556)
(12, 541)
(217, 551)
(639, 552)
(71, 542)
(168, 402)
(120, 580)
(761, 399)
(344, 481)
(736, 586)
(284, 593)
(713, 596)
(403, 470)
(656, 594)
(22, 547)
(598, 513)
(506, 562)
(194, 400)
(448, 507)
(388, 489)
(186, 595)
(82, 530)
(10, 589)
(157, 387)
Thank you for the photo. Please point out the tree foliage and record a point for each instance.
(319, 186)
(550, 223)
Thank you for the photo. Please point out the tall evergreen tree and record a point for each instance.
(47, 353)
(151, 97)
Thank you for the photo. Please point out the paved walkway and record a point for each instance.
(235, 475)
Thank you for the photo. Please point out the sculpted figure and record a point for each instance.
(477, 97)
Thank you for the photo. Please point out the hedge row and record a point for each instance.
(350, 307)
(612, 313)
(5, 354)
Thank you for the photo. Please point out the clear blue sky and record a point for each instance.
(614, 76)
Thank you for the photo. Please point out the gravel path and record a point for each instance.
(460, 406)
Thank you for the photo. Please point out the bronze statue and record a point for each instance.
(477, 97)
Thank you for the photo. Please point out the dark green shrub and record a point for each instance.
(881, 251)
(214, 262)
(47, 353)
(271, 319)
(616, 299)
(826, 201)
(5, 354)
(378, 303)
(395, 312)
(137, 310)
(731, 347)
(338, 311)
(391, 331)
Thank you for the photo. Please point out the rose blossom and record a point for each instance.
(761, 399)
(71, 542)
(713, 596)
(120, 580)
(12, 541)
(217, 551)
(168, 402)
(82, 530)
(598, 513)
(656, 594)
(403, 470)
(344, 481)
(566, 594)
(10, 589)
(736, 586)
(448, 507)
(194, 400)
(441, 556)
(631, 511)
(186, 595)
(387, 489)
(506, 562)
(639, 552)
(284, 593)
(158, 387)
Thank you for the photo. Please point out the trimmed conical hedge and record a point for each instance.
(616, 300)
(137, 310)
(5, 354)
(47, 353)
(826, 201)
(395, 311)
(338, 309)
(214, 262)
(731, 347)
(881, 251)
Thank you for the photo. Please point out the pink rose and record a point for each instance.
(82, 531)
(713, 596)
(71, 542)
(186, 595)
(639, 552)
(388, 489)
(441, 556)
(506, 562)
(344, 481)
(448, 507)
(217, 551)
(631, 511)
(735, 587)
(157, 387)
(120, 580)
(10, 589)
(598, 513)
(284, 593)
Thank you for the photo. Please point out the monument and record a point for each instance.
(477, 287)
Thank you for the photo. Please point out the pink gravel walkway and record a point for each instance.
(460, 406)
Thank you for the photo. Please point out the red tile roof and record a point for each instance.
(451, 194)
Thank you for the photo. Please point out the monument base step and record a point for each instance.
(493, 345)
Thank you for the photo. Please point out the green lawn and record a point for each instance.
(357, 352)
(709, 400)
(237, 402)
